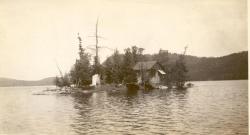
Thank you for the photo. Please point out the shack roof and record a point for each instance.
(144, 65)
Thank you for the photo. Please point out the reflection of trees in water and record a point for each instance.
(124, 96)
(92, 111)
(178, 98)
(167, 97)
(132, 94)
(181, 95)
(126, 108)
(83, 107)
(178, 106)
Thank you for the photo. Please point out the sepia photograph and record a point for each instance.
(123, 67)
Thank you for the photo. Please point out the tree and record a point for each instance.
(113, 67)
(81, 71)
(63, 81)
(137, 54)
(179, 72)
(108, 71)
(58, 82)
(119, 68)
(128, 63)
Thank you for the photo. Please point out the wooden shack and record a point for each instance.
(151, 72)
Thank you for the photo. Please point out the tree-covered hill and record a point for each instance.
(7, 82)
(230, 67)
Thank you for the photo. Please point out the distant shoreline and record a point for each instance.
(51, 85)
(217, 80)
(30, 86)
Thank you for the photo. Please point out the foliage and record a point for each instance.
(81, 70)
(179, 72)
(127, 67)
(113, 67)
(230, 67)
(119, 68)
(63, 81)
(136, 54)
(131, 56)
(108, 71)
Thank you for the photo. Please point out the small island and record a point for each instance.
(132, 71)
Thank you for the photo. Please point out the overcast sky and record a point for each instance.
(35, 34)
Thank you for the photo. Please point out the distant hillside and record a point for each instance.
(6, 82)
(229, 67)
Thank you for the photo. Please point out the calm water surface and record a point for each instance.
(216, 107)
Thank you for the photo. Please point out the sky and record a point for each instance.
(37, 34)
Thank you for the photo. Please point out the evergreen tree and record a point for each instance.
(128, 63)
(108, 71)
(117, 67)
(179, 72)
(136, 54)
(113, 67)
(81, 71)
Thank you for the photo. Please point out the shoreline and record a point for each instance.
(107, 84)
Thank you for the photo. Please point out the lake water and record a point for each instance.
(210, 107)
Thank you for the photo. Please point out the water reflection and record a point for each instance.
(142, 112)
(132, 93)
(209, 108)
(127, 111)
(83, 106)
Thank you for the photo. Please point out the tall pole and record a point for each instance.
(185, 50)
(96, 40)
(96, 48)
